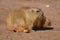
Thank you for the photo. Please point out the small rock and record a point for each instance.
(47, 5)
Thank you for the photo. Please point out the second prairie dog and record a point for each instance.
(24, 19)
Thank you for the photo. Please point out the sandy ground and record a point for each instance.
(52, 12)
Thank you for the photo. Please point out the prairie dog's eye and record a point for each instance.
(37, 11)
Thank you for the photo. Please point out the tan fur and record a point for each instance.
(24, 19)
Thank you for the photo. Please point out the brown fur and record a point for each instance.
(24, 19)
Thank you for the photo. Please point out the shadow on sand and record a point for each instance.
(36, 29)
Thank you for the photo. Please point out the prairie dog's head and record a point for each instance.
(32, 10)
(32, 13)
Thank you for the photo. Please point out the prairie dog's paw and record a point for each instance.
(26, 31)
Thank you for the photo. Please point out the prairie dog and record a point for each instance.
(24, 19)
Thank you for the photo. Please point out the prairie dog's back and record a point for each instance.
(16, 17)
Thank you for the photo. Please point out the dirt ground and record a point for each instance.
(52, 12)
